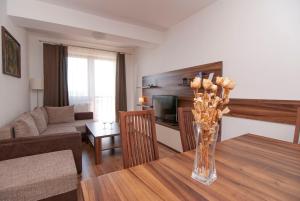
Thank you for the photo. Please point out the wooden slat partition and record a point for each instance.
(279, 111)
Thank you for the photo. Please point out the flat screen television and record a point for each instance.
(165, 108)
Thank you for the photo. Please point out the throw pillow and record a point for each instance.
(25, 126)
(45, 114)
(60, 114)
(39, 118)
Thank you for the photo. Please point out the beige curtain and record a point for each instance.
(55, 75)
(121, 98)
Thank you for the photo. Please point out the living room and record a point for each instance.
(77, 64)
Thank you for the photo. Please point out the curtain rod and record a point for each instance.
(92, 48)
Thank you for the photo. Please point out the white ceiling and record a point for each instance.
(157, 14)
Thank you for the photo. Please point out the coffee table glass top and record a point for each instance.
(100, 129)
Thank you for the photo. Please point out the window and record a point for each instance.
(91, 82)
(78, 84)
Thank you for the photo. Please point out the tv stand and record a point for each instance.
(174, 126)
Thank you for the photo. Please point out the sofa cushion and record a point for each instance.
(37, 177)
(54, 129)
(78, 124)
(6, 132)
(24, 126)
(39, 119)
(45, 114)
(60, 114)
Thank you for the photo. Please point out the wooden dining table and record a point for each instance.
(249, 167)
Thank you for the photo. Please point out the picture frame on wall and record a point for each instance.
(11, 54)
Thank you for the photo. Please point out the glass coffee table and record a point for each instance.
(96, 131)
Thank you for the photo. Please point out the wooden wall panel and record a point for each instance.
(168, 83)
(279, 111)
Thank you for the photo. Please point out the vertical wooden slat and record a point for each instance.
(139, 140)
(142, 136)
(190, 127)
(186, 128)
(191, 130)
(131, 134)
(297, 128)
(154, 139)
(148, 142)
(129, 137)
(144, 153)
(147, 148)
(134, 141)
(131, 140)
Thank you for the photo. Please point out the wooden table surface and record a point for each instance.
(249, 167)
(101, 130)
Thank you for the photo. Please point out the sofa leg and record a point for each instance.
(85, 138)
(69, 196)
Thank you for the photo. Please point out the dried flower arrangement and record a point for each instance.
(208, 110)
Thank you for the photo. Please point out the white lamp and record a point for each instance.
(141, 100)
(36, 85)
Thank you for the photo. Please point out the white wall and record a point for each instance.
(259, 43)
(35, 60)
(14, 92)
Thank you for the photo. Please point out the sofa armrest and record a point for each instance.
(84, 115)
(21, 147)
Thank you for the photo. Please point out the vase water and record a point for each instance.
(204, 162)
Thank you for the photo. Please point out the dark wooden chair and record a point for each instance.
(185, 119)
(138, 135)
(297, 128)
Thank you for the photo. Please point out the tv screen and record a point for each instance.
(165, 107)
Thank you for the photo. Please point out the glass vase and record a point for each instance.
(204, 163)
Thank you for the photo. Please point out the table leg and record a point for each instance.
(86, 135)
(112, 143)
(98, 153)
(112, 139)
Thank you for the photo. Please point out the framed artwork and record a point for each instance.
(11, 54)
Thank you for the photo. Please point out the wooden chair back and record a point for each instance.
(297, 128)
(185, 119)
(138, 135)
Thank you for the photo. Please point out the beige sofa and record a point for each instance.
(46, 129)
(65, 124)
(40, 154)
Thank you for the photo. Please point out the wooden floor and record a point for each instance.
(111, 161)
